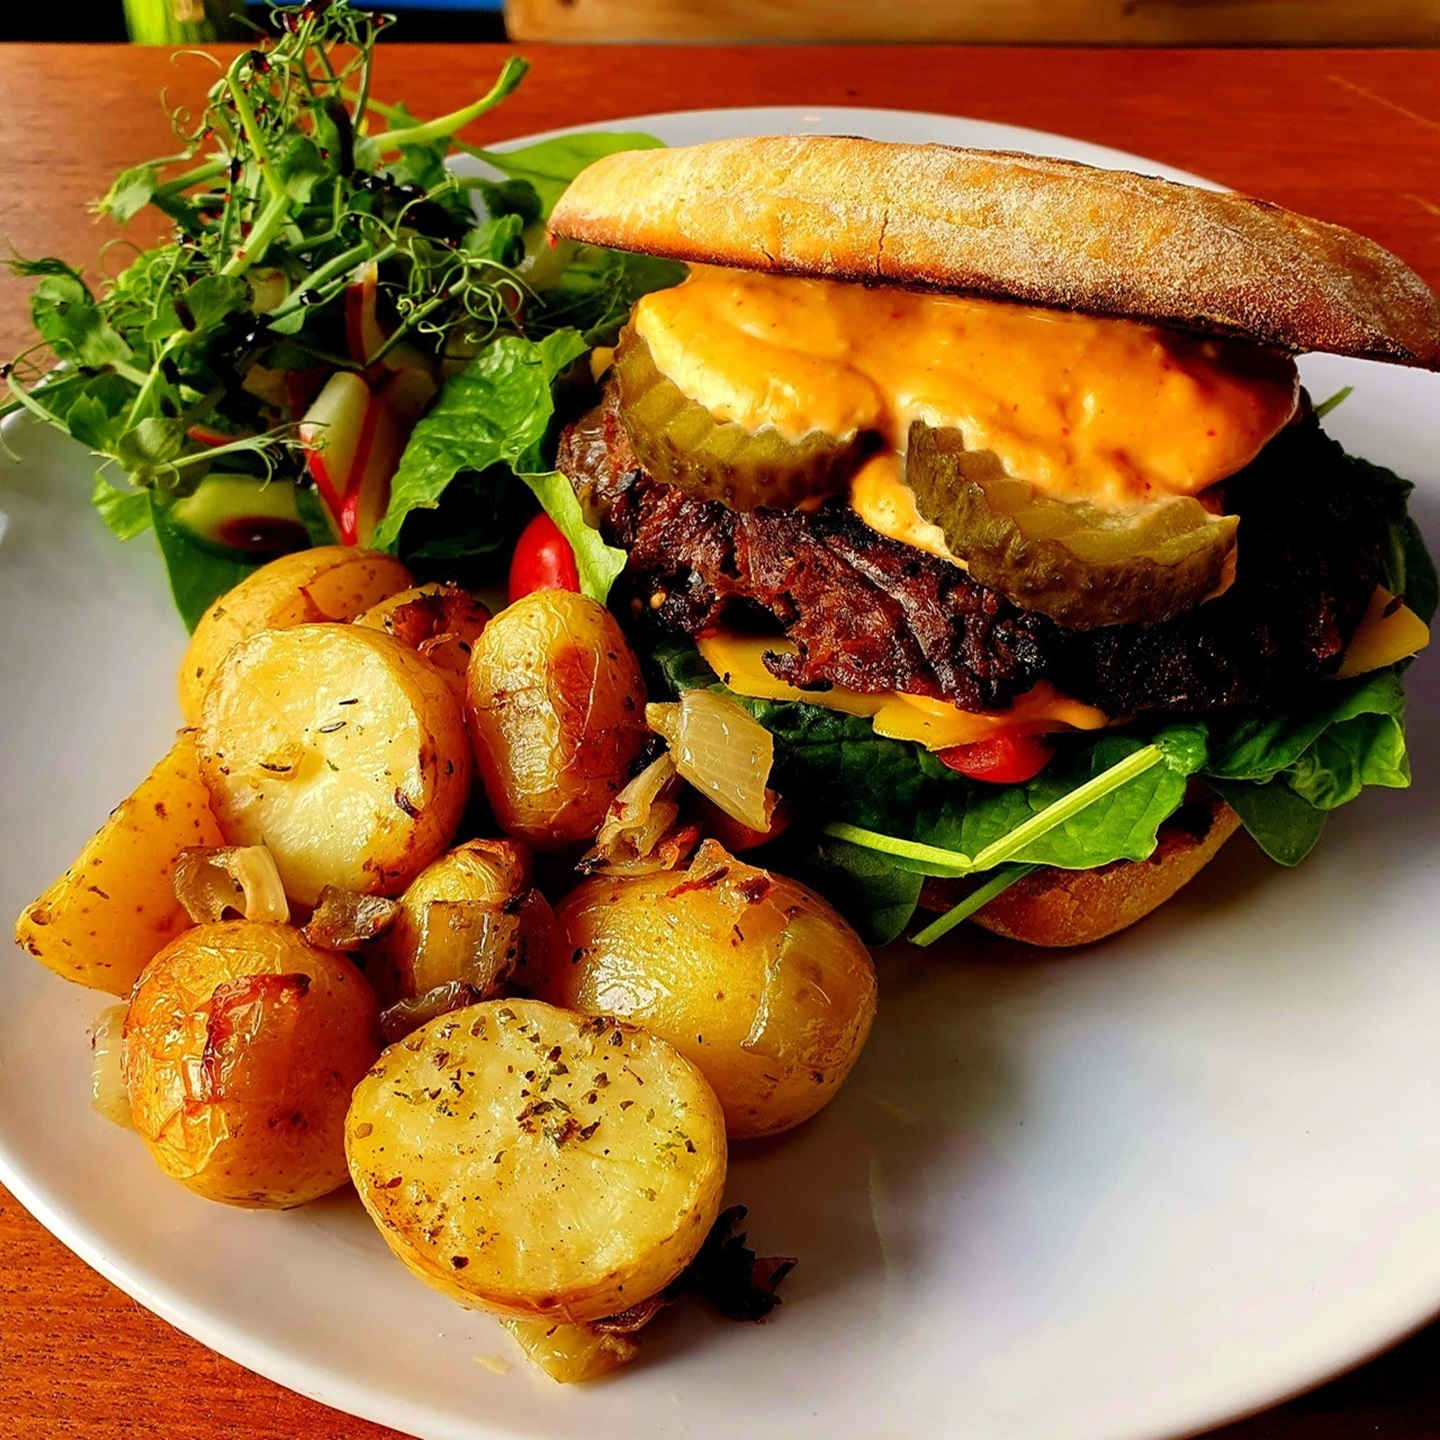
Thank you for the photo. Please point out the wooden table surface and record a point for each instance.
(1353, 137)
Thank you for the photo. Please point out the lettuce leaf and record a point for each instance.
(497, 413)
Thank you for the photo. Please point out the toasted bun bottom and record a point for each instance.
(1076, 907)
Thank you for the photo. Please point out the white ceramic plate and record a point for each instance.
(1126, 1193)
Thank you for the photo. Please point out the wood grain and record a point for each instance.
(1074, 22)
(1352, 137)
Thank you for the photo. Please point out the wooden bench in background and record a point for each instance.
(1073, 22)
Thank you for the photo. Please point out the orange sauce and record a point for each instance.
(1114, 411)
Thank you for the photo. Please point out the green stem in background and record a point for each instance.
(184, 22)
(210, 170)
(254, 133)
(340, 265)
(997, 884)
(446, 125)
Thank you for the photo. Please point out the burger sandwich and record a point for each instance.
(987, 484)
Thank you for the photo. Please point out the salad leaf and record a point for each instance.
(73, 325)
(598, 287)
(549, 166)
(597, 563)
(495, 411)
(125, 512)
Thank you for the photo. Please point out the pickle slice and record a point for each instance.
(1082, 564)
(679, 442)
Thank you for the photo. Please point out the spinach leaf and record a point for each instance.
(1344, 736)
(1283, 824)
(1409, 569)
(875, 896)
(1282, 772)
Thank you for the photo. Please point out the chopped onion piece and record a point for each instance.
(639, 818)
(398, 1020)
(108, 1096)
(343, 920)
(722, 750)
(213, 880)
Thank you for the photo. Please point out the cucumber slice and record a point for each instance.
(242, 512)
(681, 443)
(1082, 564)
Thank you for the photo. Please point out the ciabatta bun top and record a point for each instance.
(1013, 227)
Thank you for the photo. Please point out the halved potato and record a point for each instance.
(330, 582)
(241, 1046)
(339, 749)
(101, 922)
(537, 1162)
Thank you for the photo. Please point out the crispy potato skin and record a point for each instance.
(341, 750)
(241, 1047)
(556, 708)
(441, 622)
(751, 976)
(330, 582)
(538, 1163)
(101, 922)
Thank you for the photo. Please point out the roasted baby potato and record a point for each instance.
(750, 975)
(467, 920)
(537, 1162)
(339, 749)
(556, 708)
(330, 582)
(242, 1045)
(442, 622)
(101, 922)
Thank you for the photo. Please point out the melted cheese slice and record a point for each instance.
(1109, 410)
(1389, 632)
(935, 724)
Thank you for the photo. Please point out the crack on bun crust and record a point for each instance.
(1026, 228)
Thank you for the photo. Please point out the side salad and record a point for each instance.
(257, 382)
